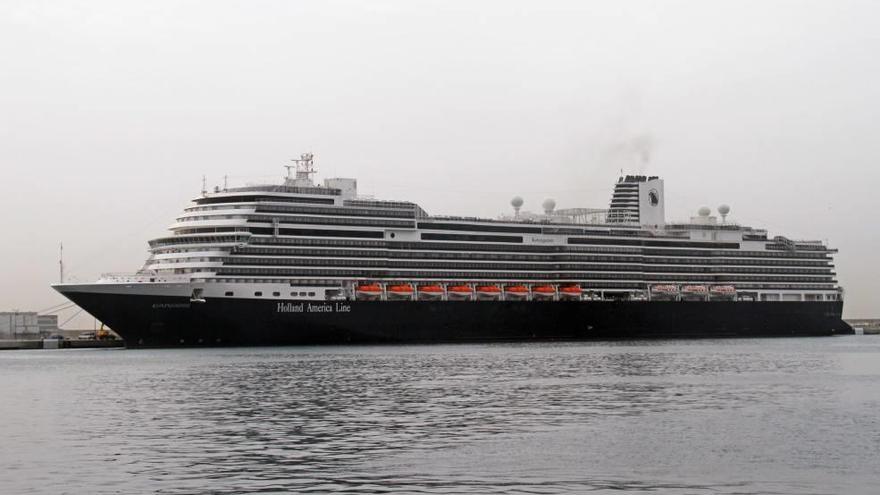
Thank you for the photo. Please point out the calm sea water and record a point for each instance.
(711, 416)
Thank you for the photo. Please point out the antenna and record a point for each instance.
(204, 185)
(61, 262)
(304, 167)
(225, 182)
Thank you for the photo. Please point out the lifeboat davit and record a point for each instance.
(459, 291)
(544, 291)
(571, 291)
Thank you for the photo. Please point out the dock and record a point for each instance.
(869, 326)
(6, 345)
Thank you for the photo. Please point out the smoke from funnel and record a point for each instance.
(632, 152)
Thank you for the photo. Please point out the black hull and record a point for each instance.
(152, 321)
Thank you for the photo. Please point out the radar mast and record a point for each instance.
(303, 168)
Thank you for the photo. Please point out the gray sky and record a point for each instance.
(111, 111)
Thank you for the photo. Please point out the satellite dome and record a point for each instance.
(724, 210)
(704, 211)
(516, 202)
(549, 204)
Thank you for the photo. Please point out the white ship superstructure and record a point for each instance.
(300, 240)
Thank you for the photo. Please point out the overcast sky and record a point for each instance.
(111, 112)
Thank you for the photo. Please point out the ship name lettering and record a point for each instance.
(289, 308)
(313, 308)
(543, 239)
(320, 308)
(170, 305)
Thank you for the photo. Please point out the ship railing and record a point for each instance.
(569, 216)
(316, 190)
(810, 243)
(793, 245)
(719, 226)
(140, 277)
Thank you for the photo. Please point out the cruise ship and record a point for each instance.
(301, 263)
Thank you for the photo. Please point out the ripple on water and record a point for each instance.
(781, 416)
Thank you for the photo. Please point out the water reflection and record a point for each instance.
(375, 419)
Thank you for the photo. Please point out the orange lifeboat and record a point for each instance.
(517, 291)
(694, 292)
(664, 292)
(460, 291)
(696, 289)
(722, 292)
(723, 289)
(432, 291)
(373, 289)
(571, 291)
(544, 291)
(489, 292)
(664, 289)
(368, 291)
(402, 290)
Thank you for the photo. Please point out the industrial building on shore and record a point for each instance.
(27, 325)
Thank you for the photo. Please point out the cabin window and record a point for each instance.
(258, 294)
(311, 294)
(276, 294)
(229, 293)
